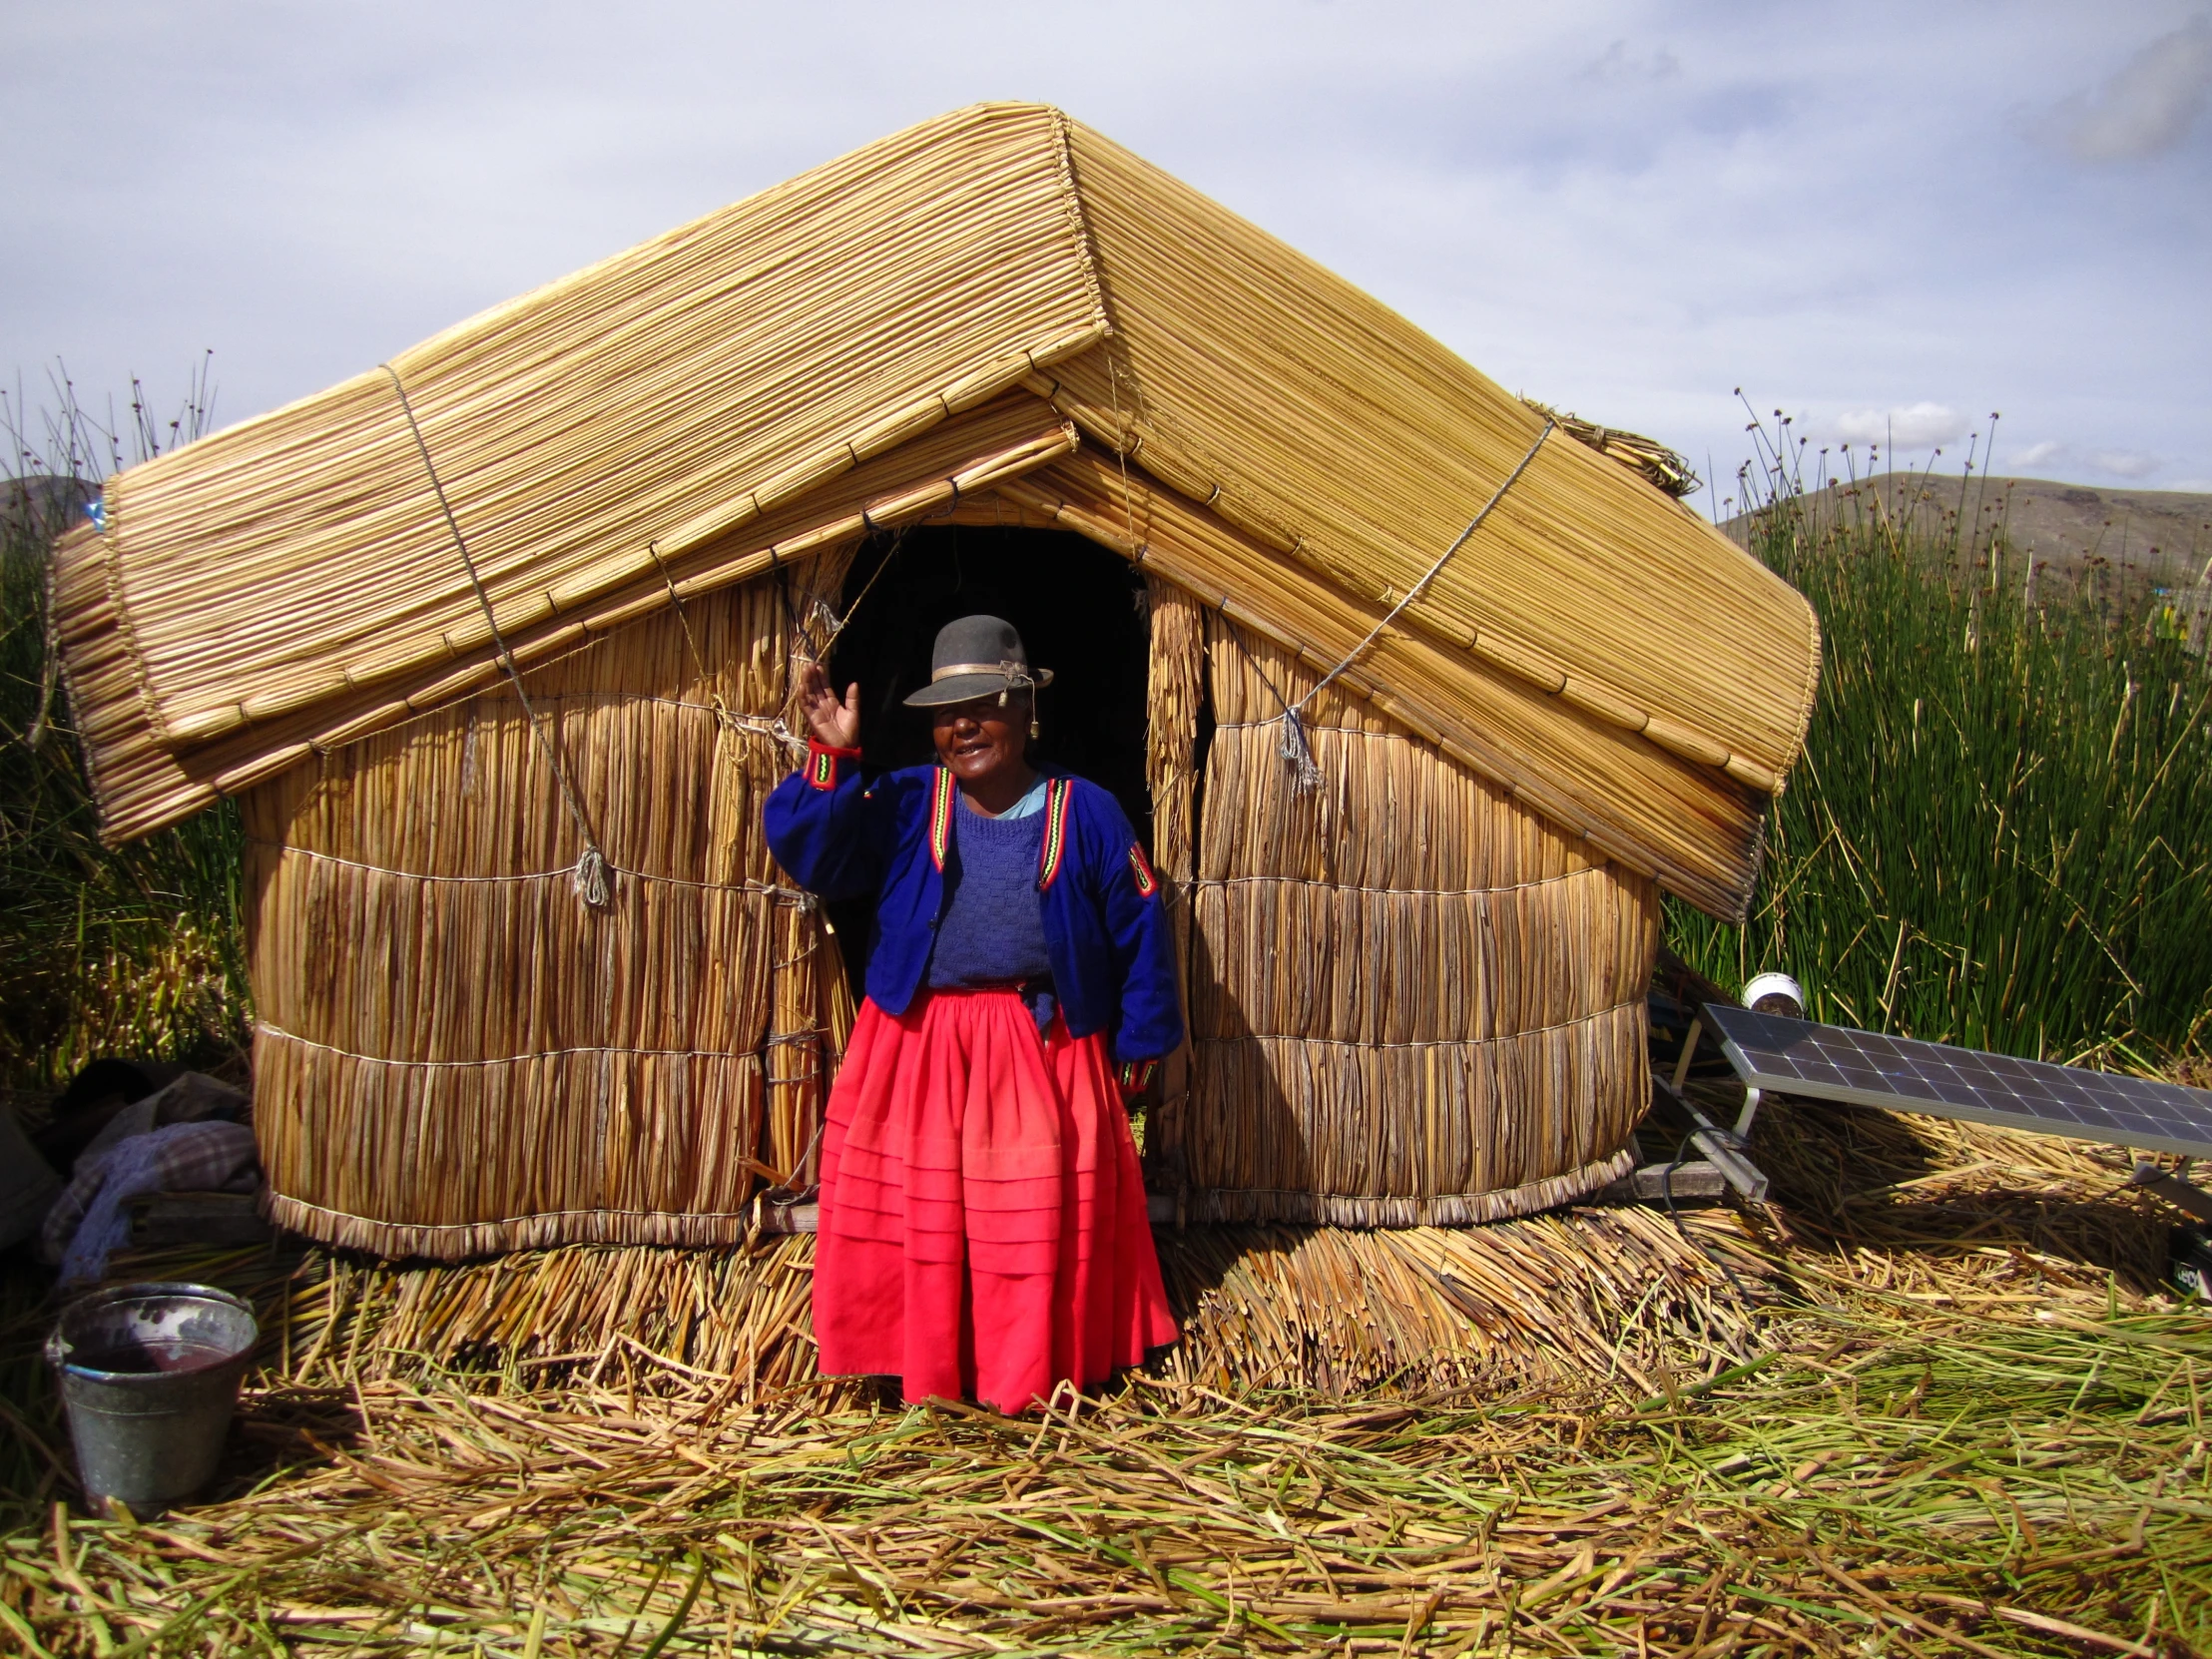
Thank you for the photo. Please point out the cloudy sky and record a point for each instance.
(1888, 219)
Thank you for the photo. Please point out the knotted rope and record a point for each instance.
(593, 883)
(1293, 747)
(728, 718)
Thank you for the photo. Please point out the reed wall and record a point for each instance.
(1412, 1000)
(455, 1053)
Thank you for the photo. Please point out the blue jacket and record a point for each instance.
(888, 836)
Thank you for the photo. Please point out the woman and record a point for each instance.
(983, 1232)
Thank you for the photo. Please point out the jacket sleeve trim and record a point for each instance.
(942, 790)
(1052, 852)
(1141, 868)
(823, 760)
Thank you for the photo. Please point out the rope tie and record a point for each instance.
(1293, 747)
(593, 879)
(798, 896)
(728, 718)
(1295, 750)
(825, 619)
(1122, 448)
(784, 1195)
(836, 624)
(764, 726)
(266, 1028)
(594, 884)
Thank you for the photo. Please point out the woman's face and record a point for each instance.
(980, 739)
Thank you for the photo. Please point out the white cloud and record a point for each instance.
(1913, 426)
(2036, 454)
(2148, 106)
(2124, 463)
(1730, 198)
(1618, 63)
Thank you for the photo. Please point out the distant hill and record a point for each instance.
(2159, 538)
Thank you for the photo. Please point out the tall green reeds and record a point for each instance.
(129, 952)
(2001, 830)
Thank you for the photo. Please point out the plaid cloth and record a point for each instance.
(92, 1217)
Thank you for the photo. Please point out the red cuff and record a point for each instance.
(821, 762)
(1134, 1075)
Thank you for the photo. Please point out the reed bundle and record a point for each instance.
(455, 1054)
(1957, 1213)
(1578, 756)
(1615, 1298)
(1592, 1297)
(1314, 418)
(145, 781)
(334, 1318)
(663, 396)
(1175, 698)
(1648, 458)
(871, 342)
(1413, 1002)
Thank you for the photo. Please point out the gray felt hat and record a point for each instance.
(978, 656)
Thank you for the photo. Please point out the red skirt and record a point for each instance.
(983, 1233)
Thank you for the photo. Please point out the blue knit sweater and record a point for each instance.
(992, 933)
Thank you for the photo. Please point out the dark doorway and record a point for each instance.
(1081, 612)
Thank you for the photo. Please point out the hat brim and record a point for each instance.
(966, 688)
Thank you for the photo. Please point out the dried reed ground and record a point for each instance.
(1938, 1407)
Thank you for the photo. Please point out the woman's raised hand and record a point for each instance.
(834, 725)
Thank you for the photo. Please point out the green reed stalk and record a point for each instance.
(134, 950)
(2001, 834)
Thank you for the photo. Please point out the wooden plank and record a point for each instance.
(1655, 1183)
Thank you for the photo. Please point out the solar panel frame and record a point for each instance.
(1778, 1055)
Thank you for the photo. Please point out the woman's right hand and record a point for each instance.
(834, 725)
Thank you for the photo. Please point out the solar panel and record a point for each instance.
(1865, 1068)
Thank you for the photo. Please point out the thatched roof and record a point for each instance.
(960, 304)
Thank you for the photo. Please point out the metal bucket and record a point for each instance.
(150, 1375)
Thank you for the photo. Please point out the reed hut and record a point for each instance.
(1423, 705)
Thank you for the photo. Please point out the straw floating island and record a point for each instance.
(1935, 1404)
